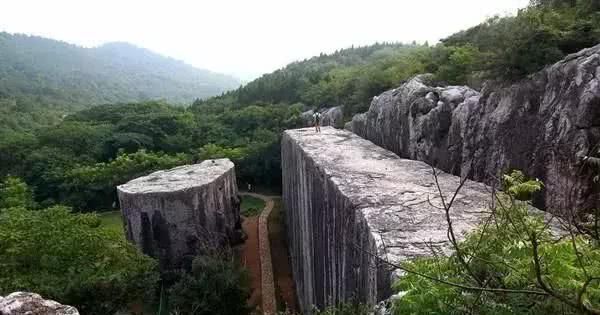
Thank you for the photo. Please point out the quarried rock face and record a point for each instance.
(345, 197)
(25, 303)
(542, 125)
(172, 214)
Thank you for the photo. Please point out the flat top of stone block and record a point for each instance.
(397, 197)
(178, 178)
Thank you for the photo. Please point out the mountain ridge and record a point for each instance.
(112, 72)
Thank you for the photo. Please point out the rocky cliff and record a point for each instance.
(345, 197)
(543, 125)
(171, 215)
(24, 303)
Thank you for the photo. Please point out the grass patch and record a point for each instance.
(251, 206)
(112, 221)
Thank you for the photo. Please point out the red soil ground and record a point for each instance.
(250, 259)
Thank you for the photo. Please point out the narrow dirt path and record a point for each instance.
(250, 259)
(267, 287)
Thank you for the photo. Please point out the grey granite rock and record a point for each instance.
(542, 125)
(307, 118)
(333, 116)
(341, 193)
(25, 303)
(172, 214)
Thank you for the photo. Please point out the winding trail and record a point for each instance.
(267, 285)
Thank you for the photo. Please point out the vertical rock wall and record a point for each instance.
(348, 202)
(172, 214)
(543, 125)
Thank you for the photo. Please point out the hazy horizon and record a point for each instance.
(246, 39)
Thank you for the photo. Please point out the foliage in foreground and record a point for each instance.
(70, 258)
(215, 285)
(514, 250)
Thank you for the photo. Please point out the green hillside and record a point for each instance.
(42, 79)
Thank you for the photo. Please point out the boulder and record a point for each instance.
(25, 303)
(172, 215)
(543, 125)
(350, 203)
(307, 118)
(333, 116)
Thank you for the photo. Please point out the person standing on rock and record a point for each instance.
(317, 121)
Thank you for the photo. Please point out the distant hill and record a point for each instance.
(64, 75)
(42, 79)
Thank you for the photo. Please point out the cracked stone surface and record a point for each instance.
(171, 215)
(25, 303)
(541, 125)
(341, 192)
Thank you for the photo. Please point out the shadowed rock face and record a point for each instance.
(341, 192)
(171, 214)
(25, 303)
(541, 125)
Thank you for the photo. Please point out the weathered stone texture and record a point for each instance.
(172, 214)
(333, 116)
(341, 192)
(542, 125)
(25, 303)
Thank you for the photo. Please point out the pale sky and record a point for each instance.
(246, 38)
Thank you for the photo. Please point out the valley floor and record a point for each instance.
(279, 285)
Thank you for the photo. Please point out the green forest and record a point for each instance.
(72, 128)
(41, 80)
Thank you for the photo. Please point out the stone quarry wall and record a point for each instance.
(345, 197)
(172, 214)
(542, 125)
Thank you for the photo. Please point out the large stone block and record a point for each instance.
(345, 197)
(172, 214)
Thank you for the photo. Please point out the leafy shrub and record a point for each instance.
(70, 258)
(514, 264)
(213, 286)
(14, 192)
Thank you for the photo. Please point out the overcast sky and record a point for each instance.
(246, 37)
